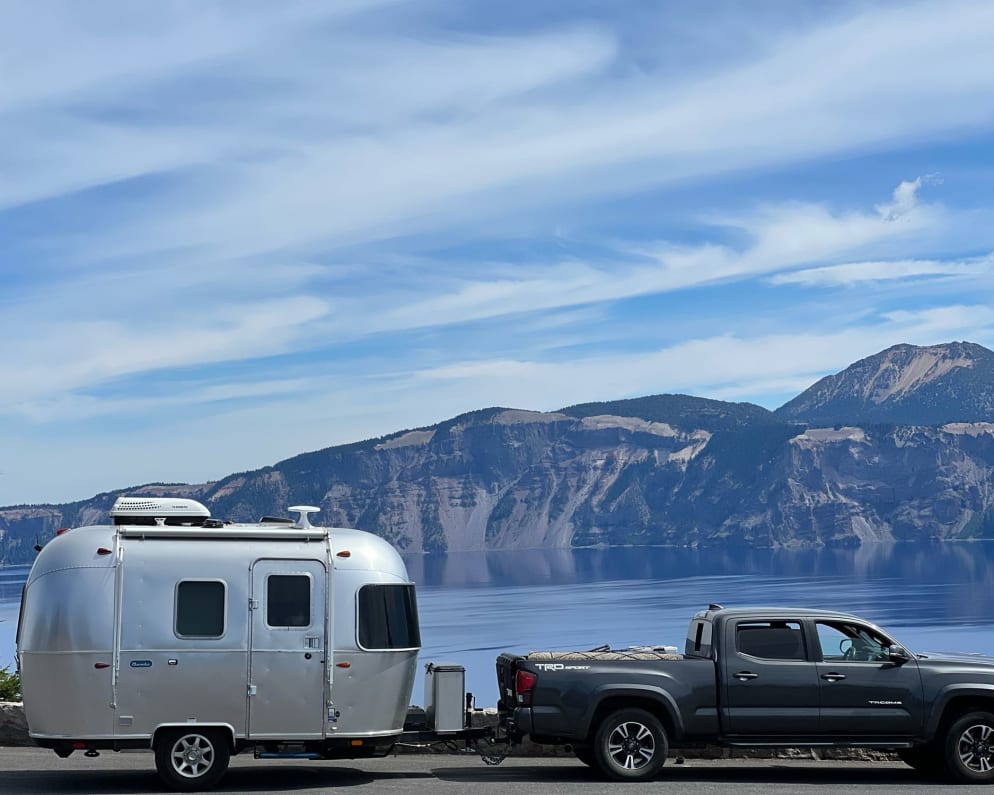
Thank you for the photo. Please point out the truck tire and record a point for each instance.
(969, 748)
(630, 745)
(190, 760)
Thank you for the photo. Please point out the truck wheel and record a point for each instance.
(970, 748)
(189, 760)
(630, 745)
(925, 759)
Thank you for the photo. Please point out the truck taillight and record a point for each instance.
(524, 683)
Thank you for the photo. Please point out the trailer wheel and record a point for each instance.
(630, 745)
(970, 748)
(190, 760)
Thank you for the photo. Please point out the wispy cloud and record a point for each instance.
(323, 160)
(323, 222)
(852, 273)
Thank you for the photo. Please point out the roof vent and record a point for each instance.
(303, 522)
(146, 510)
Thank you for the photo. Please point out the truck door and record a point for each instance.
(286, 681)
(862, 692)
(770, 687)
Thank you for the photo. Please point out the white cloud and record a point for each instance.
(905, 200)
(320, 160)
(781, 237)
(87, 353)
(852, 273)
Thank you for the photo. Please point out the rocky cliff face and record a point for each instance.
(667, 469)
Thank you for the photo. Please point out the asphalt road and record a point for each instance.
(35, 771)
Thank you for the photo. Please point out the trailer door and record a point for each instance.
(288, 650)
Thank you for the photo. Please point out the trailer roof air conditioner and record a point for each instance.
(145, 510)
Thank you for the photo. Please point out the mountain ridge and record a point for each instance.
(904, 384)
(659, 469)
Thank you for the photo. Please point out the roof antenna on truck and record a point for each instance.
(303, 522)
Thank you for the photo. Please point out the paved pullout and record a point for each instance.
(29, 771)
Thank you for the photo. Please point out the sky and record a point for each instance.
(235, 232)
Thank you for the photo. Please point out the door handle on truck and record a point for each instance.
(743, 675)
(833, 677)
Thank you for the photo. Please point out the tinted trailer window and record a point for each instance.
(388, 617)
(200, 609)
(288, 600)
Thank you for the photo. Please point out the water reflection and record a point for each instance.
(930, 582)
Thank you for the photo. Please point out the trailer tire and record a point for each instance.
(970, 748)
(630, 745)
(190, 760)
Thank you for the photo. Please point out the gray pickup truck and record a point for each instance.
(757, 678)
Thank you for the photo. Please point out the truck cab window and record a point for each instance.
(200, 608)
(288, 600)
(843, 642)
(770, 640)
(387, 618)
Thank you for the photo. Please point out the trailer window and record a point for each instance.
(200, 608)
(388, 617)
(288, 600)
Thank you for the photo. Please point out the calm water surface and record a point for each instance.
(473, 605)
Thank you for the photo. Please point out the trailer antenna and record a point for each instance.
(303, 521)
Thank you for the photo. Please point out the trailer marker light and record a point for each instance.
(101, 666)
(79, 746)
(104, 551)
(343, 665)
(344, 554)
(357, 742)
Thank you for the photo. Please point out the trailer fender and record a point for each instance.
(226, 727)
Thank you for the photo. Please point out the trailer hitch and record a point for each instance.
(493, 751)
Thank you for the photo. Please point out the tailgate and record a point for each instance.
(507, 668)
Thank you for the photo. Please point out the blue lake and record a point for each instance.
(936, 597)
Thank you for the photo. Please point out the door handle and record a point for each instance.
(833, 677)
(743, 675)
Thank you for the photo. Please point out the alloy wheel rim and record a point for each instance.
(631, 745)
(192, 756)
(976, 748)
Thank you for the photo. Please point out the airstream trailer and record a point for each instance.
(199, 638)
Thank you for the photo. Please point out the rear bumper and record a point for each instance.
(543, 725)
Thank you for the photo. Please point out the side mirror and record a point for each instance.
(897, 654)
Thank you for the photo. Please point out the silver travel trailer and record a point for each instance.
(199, 638)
